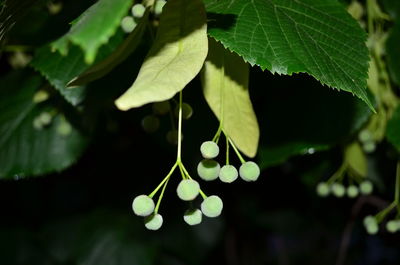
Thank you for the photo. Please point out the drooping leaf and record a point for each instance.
(175, 58)
(393, 129)
(94, 28)
(317, 37)
(25, 150)
(59, 69)
(225, 87)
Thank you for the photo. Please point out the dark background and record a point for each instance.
(83, 215)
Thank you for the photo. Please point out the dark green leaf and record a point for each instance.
(59, 70)
(119, 55)
(393, 53)
(94, 28)
(27, 151)
(317, 37)
(393, 129)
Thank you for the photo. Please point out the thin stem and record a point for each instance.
(235, 149)
(397, 192)
(187, 174)
(164, 180)
(338, 174)
(382, 214)
(203, 194)
(183, 173)
(218, 133)
(227, 150)
(160, 197)
(178, 157)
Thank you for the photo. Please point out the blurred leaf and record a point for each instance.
(356, 159)
(393, 53)
(304, 123)
(59, 70)
(176, 57)
(317, 37)
(94, 28)
(25, 150)
(119, 55)
(225, 87)
(393, 129)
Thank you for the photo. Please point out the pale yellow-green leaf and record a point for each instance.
(176, 57)
(225, 87)
(355, 159)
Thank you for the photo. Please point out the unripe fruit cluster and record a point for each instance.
(367, 140)
(208, 169)
(188, 190)
(339, 190)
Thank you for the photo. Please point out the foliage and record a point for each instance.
(281, 81)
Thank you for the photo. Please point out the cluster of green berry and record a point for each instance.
(337, 189)
(367, 141)
(188, 189)
(151, 123)
(208, 169)
(371, 224)
(129, 23)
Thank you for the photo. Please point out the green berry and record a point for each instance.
(212, 206)
(187, 111)
(64, 128)
(143, 205)
(365, 136)
(369, 147)
(40, 96)
(153, 222)
(338, 190)
(138, 10)
(161, 108)
(209, 149)
(352, 191)
(188, 189)
(392, 226)
(172, 137)
(249, 171)
(45, 118)
(128, 24)
(159, 7)
(37, 123)
(208, 169)
(150, 123)
(228, 174)
(193, 216)
(366, 187)
(323, 189)
(371, 225)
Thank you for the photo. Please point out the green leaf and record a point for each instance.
(393, 53)
(393, 129)
(25, 150)
(317, 37)
(59, 70)
(94, 28)
(225, 87)
(176, 57)
(296, 123)
(356, 159)
(119, 55)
